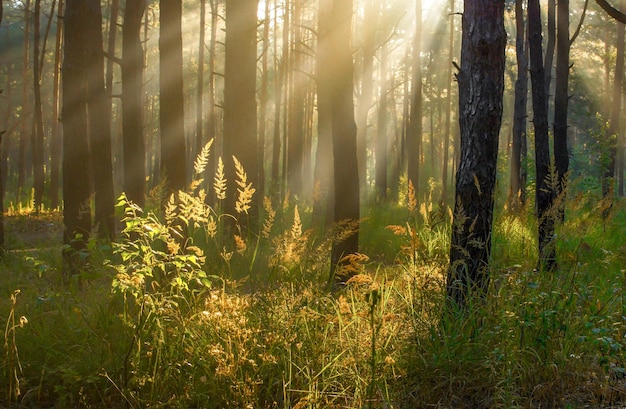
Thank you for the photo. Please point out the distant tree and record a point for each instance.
(414, 127)
(381, 150)
(544, 191)
(76, 169)
(296, 91)
(517, 193)
(448, 125)
(240, 109)
(37, 137)
(481, 88)
(56, 142)
(171, 99)
(323, 200)
(346, 176)
(134, 147)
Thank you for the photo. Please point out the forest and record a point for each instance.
(312, 204)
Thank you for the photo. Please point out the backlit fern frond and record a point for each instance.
(170, 209)
(296, 228)
(203, 158)
(412, 204)
(219, 183)
(269, 220)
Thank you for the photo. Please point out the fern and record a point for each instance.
(219, 183)
(202, 160)
(246, 191)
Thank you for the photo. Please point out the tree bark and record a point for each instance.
(610, 174)
(561, 101)
(171, 99)
(346, 175)
(76, 170)
(517, 193)
(26, 110)
(295, 134)
(199, 140)
(550, 45)
(99, 124)
(134, 146)
(240, 116)
(544, 191)
(481, 88)
(56, 142)
(37, 142)
(414, 127)
(446, 143)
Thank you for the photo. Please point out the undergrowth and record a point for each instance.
(192, 309)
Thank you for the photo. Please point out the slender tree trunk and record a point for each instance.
(481, 88)
(37, 142)
(295, 134)
(211, 121)
(200, 84)
(370, 27)
(132, 103)
(446, 143)
(608, 183)
(99, 124)
(279, 68)
(263, 98)
(414, 130)
(544, 191)
(56, 142)
(24, 136)
(240, 115)
(517, 193)
(324, 166)
(381, 128)
(344, 131)
(550, 45)
(171, 99)
(561, 101)
(76, 170)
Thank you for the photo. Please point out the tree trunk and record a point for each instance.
(76, 170)
(551, 42)
(544, 190)
(171, 99)
(344, 132)
(99, 124)
(446, 143)
(561, 100)
(381, 128)
(56, 142)
(132, 103)
(370, 27)
(279, 68)
(414, 128)
(24, 137)
(199, 140)
(481, 88)
(323, 200)
(240, 116)
(37, 142)
(608, 183)
(517, 193)
(263, 98)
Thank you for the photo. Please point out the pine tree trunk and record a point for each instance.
(517, 193)
(447, 132)
(76, 169)
(344, 133)
(481, 88)
(561, 101)
(414, 130)
(26, 110)
(381, 128)
(171, 99)
(99, 124)
(134, 156)
(544, 191)
(199, 140)
(37, 142)
(56, 142)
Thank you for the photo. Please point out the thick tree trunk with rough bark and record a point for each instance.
(481, 87)
(544, 191)
(132, 103)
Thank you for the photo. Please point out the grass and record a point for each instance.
(211, 322)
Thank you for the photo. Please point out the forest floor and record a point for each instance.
(153, 323)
